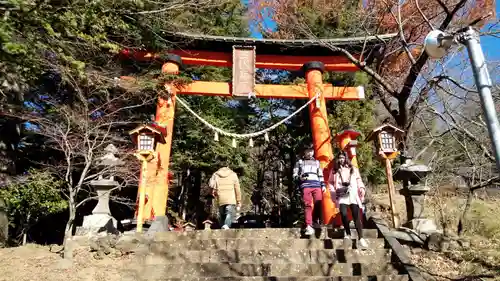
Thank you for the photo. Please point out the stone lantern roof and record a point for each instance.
(109, 158)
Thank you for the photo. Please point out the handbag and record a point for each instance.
(344, 190)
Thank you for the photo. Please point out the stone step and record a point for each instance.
(258, 244)
(276, 256)
(262, 233)
(188, 270)
(301, 278)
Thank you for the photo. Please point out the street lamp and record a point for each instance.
(436, 45)
(384, 138)
(145, 137)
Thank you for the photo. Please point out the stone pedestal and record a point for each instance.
(97, 223)
(159, 224)
(414, 200)
(101, 219)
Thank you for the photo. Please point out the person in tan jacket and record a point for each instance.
(225, 187)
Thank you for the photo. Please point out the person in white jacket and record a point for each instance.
(348, 191)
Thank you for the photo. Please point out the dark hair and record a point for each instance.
(223, 161)
(346, 163)
(308, 149)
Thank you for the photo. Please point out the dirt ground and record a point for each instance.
(43, 263)
(479, 259)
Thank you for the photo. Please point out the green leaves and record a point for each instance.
(14, 48)
(31, 198)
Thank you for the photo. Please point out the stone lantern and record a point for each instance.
(101, 218)
(411, 175)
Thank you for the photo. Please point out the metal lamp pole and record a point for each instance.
(470, 38)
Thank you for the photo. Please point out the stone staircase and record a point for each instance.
(276, 254)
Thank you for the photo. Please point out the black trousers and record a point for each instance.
(356, 217)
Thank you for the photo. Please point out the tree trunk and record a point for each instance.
(181, 179)
(291, 185)
(463, 217)
(11, 130)
(199, 206)
(68, 233)
(260, 189)
(4, 223)
(25, 229)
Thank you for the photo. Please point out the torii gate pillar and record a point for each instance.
(165, 112)
(320, 131)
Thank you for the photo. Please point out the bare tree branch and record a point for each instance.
(484, 183)
(401, 33)
(423, 15)
(443, 5)
(176, 5)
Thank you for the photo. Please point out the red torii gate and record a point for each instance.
(268, 54)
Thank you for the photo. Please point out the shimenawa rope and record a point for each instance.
(243, 136)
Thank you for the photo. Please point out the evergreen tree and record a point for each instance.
(58, 55)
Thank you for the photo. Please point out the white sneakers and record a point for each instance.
(362, 243)
(347, 241)
(225, 227)
(309, 230)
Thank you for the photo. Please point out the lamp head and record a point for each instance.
(437, 43)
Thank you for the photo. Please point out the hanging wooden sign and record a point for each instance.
(243, 85)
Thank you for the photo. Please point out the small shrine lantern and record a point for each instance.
(146, 137)
(189, 226)
(207, 224)
(385, 139)
(386, 148)
(347, 140)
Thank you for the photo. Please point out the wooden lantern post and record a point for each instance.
(384, 138)
(145, 137)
